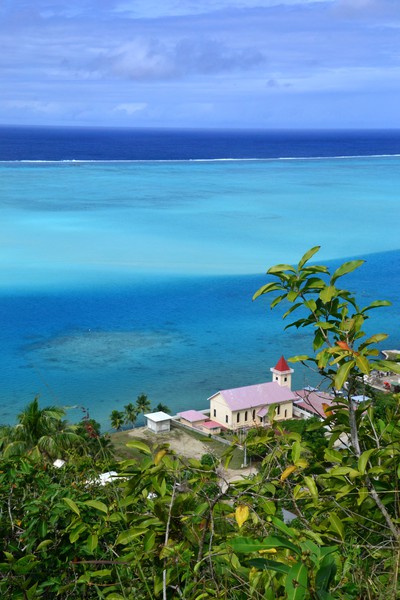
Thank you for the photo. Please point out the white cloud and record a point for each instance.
(130, 108)
(179, 8)
(35, 106)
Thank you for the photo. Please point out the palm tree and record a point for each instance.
(117, 419)
(143, 404)
(163, 408)
(40, 433)
(130, 414)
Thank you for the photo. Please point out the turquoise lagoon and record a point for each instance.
(121, 278)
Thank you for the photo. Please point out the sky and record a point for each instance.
(201, 63)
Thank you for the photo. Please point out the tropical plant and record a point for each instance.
(163, 408)
(357, 489)
(143, 404)
(130, 414)
(40, 433)
(117, 419)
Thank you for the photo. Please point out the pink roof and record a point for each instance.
(313, 400)
(192, 416)
(211, 424)
(252, 396)
(282, 365)
(262, 412)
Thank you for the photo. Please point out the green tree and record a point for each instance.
(117, 419)
(365, 512)
(143, 404)
(163, 408)
(130, 414)
(41, 433)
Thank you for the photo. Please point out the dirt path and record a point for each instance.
(180, 442)
(188, 446)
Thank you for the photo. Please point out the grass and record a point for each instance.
(120, 439)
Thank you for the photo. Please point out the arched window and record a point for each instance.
(238, 418)
(245, 416)
(254, 415)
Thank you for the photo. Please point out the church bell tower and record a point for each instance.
(282, 373)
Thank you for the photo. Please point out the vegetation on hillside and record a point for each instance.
(170, 527)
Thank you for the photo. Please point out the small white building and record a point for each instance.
(158, 421)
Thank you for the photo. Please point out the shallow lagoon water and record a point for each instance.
(126, 278)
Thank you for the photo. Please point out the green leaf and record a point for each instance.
(149, 541)
(98, 505)
(342, 374)
(306, 257)
(277, 300)
(43, 545)
(310, 483)
(296, 451)
(76, 532)
(282, 526)
(363, 460)
(139, 446)
(267, 288)
(345, 268)
(101, 573)
(388, 365)
(318, 339)
(325, 325)
(298, 358)
(363, 364)
(72, 506)
(311, 305)
(92, 542)
(325, 574)
(115, 596)
(362, 495)
(376, 304)
(296, 582)
(248, 545)
(126, 537)
(333, 455)
(294, 307)
(336, 525)
(279, 268)
(268, 565)
(374, 339)
(327, 293)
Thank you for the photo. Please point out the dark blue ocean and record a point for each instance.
(70, 143)
(129, 257)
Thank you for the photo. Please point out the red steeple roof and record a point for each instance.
(282, 365)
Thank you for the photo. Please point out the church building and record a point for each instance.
(249, 406)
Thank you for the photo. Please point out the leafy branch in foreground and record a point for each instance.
(342, 353)
(344, 356)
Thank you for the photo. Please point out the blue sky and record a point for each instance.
(201, 63)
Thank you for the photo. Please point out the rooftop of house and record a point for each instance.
(252, 396)
(193, 416)
(211, 425)
(157, 417)
(313, 400)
